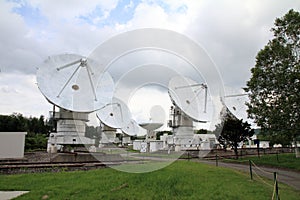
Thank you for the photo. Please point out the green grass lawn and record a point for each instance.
(180, 180)
(286, 160)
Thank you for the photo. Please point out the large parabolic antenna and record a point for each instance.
(157, 119)
(131, 128)
(235, 102)
(190, 97)
(115, 115)
(151, 126)
(73, 82)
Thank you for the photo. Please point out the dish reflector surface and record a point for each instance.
(73, 82)
(115, 115)
(189, 96)
(151, 126)
(131, 128)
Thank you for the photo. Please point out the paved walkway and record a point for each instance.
(7, 195)
(288, 177)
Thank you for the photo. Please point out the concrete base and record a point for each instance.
(7, 195)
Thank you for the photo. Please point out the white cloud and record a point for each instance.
(20, 94)
(145, 99)
(234, 31)
(231, 31)
(65, 11)
(129, 6)
(17, 52)
(147, 15)
(152, 14)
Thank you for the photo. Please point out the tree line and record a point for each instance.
(17, 123)
(37, 129)
(273, 89)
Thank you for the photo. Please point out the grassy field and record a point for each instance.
(286, 160)
(180, 180)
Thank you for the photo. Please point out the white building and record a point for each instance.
(12, 145)
(137, 145)
(155, 145)
(251, 143)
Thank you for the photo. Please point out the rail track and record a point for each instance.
(33, 167)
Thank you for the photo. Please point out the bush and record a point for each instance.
(35, 142)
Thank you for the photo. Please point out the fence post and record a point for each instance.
(276, 187)
(217, 160)
(250, 167)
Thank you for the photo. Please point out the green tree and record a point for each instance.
(160, 133)
(276, 137)
(202, 131)
(233, 132)
(35, 142)
(14, 122)
(36, 128)
(274, 88)
(92, 132)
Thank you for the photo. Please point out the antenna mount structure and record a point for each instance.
(188, 107)
(62, 79)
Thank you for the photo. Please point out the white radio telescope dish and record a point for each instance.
(151, 126)
(235, 101)
(157, 119)
(189, 96)
(73, 82)
(131, 128)
(115, 115)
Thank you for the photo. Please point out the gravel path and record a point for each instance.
(289, 177)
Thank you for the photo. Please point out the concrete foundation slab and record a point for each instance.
(7, 195)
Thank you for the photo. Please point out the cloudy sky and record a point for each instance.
(231, 31)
